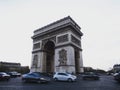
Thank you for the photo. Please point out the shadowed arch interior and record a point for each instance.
(50, 50)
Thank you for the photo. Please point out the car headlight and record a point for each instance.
(42, 78)
(74, 76)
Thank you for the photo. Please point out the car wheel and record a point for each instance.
(24, 81)
(69, 80)
(96, 78)
(55, 79)
(84, 78)
(8, 79)
(39, 81)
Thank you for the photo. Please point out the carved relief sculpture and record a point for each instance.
(35, 61)
(57, 47)
(62, 57)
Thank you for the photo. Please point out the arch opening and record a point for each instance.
(49, 48)
(77, 56)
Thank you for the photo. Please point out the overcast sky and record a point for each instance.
(99, 21)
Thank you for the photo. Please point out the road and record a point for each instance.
(105, 83)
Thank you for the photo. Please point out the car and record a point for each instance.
(4, 76)
(90, 75)
(14, 74)
(117, 76)
(58, 76)
(35, 77)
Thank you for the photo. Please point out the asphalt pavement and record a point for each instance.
(105, 83)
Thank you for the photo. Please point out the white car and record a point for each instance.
(64, 77)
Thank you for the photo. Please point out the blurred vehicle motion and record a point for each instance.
(35, 77)
(4, 76)
(14, 74)
(90, 75)
(117, 76)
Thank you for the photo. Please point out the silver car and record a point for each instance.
(64, 77)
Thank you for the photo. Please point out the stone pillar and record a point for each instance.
(81, 62)
(35, 67)
(64, 59)
(43, 62)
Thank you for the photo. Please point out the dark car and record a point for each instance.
(35, 77)
(4, 76)
(117, 76)
(14, 74)
(90, 75)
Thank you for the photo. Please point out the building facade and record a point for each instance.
(57, 47)
(12, 66)
(9, 66)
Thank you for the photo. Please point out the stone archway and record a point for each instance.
(49, 48)
(77, 57)
(58, 47)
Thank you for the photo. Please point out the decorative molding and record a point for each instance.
(63, 38)
(66, 66)
(58, 23)
(53, 39)
(75, 40)
(69, 44)
(36, 46)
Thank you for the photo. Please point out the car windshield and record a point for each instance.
(90, 73)
(2, 73)
(65, 74)
(36, 74)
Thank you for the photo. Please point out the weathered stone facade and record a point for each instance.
(57, 47)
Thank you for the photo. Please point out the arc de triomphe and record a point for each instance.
(57, 47)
